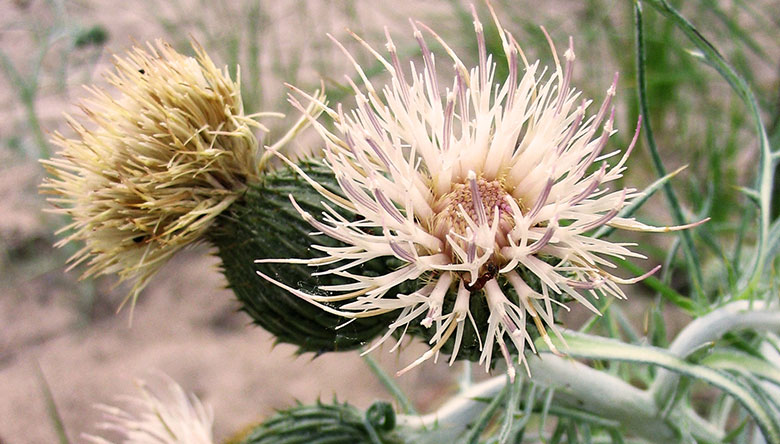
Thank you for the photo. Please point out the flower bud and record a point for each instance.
(329, 423)
(264, 224)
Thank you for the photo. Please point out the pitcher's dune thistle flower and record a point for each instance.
(168, 416)
(159, 162)
(470, 186)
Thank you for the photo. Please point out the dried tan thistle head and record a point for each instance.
(162, 160)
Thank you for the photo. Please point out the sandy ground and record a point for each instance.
(186, 327)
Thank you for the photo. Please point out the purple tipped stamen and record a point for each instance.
(569, 56)
(357, 195)
(449, 111)
(476, 199)
(481, 47)
(544, 240)
(542, 200)
(402, 253)
(605, 218)
(388, 206)
(430, 68)
(572, 129)
(591, 186)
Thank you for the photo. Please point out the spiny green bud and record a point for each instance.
(264, 224)
(329, 424)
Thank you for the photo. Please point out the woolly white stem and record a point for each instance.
(576, 386)
(755, 315)
(583, 388)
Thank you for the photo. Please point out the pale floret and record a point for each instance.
(466, 184)
(168, 417)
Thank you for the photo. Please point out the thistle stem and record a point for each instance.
(576, 386)
(455, 415)
(581, 387)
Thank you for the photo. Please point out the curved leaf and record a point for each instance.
(593, 347)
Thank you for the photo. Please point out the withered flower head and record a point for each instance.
(158, 161)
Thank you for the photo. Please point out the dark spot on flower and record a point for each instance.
(490, 273)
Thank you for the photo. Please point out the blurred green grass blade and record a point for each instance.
(484, 418)
(687, 239)
(571, 433)
(545, 411)
(720, 412)
(625, 324)
(658, 332)
(773, 241)
(594, 347)
(51, 407)
(586, 435)
(667, 292)
(768, 396)
(637, 203)
(669, 264)
(765, 168)
(406, 405)
(766, 20)
(557, 433)
(616, 437)
(734, 434)
(739, 242)
(728, 269)
(27, 87)
(751, 194)
(583, 416)
(738, 32)
(10, 71)
(515, 390)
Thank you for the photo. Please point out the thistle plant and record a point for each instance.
(462, 205)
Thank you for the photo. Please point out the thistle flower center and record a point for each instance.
(474, 202)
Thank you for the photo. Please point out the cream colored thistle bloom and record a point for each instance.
(465, 184)
(159, 161)
(168, 417)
